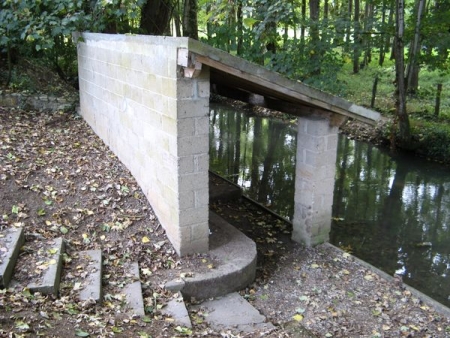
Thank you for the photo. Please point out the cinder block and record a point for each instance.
(193, 181)
(193, 145)
(202, 125)
(186, 127)
(186, 165)
(192, 108)
(201, 197)
(201, 163)
(200, 231)
(193, 216)
(187, 200)
(204, 88)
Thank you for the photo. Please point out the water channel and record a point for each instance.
(391, 212)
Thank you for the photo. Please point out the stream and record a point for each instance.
(390, 212)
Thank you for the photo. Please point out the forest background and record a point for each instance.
(391, 55)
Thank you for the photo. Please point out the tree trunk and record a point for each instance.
(402, 115)
(348, 26)
(356, 38)
(437, 105)
(240, 29)
(303, 27)
(315, 36)
(383, 35)
(412, 71)
(155, 17)
(190, 25)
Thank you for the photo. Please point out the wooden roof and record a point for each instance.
(239, 79)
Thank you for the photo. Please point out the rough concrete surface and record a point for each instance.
(233, 312)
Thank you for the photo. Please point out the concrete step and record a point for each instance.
(233, 312)
(11, 240)
(51, 257)
(91, 278)
(133, 291)
(236, 254)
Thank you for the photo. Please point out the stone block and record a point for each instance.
(195, 181)
(186, 165)
(186, 127)
(201, 163)
(193, 145)
(192, 216)
(201, 196)
(192, 108)
(202, 125)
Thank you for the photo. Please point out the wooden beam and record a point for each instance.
(269, 86)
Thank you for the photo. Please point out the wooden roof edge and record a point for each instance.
(261, 76)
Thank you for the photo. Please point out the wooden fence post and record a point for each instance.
(374, 92)
(438, 100)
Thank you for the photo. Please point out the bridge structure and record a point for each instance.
(147, 98)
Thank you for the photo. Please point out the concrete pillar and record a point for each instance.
(193, 164)
(314, 183)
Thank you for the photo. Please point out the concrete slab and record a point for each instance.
(234, 313)
(236, 254)
(49, 283)
(133, 291)
(176, 309)
(11, 240)
(92, 285)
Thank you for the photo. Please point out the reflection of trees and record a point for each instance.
(257, 153)
(387, 206)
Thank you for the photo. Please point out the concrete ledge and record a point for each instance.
(237, 268)
(92, 288)
(133, 291)
(11, 240)
(49, 283)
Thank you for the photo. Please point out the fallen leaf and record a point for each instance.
(81, 333)
(298, 317)
(145, 239)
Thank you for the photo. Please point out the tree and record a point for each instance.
(190, 25)
(402, 116)
(412, 71)
(155, 17)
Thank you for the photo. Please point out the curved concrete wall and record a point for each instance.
(135, 97)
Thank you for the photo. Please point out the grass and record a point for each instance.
(430, 133)
(359, 89)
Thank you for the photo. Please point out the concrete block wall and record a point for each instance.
(134, 96)
(314, 182)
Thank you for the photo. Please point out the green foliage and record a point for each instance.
(296, 61)
(42, 29)
(431, 139)
(116, 16)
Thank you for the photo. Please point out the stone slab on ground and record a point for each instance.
(176, 309)
(234, 313)
(49, 283)
(11, 240)
(133, 291)
(92, 286)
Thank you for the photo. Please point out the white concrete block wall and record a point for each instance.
(315, 171)
(156, 122)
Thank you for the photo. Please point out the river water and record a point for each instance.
(391, 212)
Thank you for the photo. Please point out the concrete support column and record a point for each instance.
(193, 164)
(314, 183)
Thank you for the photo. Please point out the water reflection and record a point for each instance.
(392, 213)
